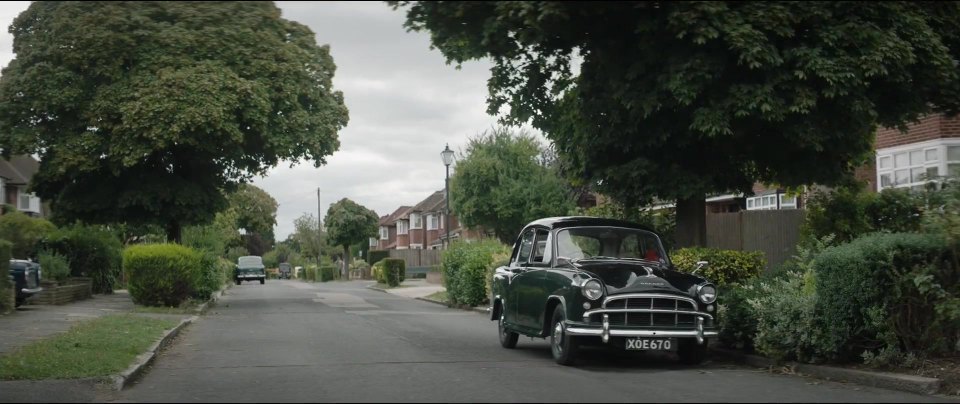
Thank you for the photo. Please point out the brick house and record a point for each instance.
(15, 175)
(422, 226)
(929, 149)
(388, 229)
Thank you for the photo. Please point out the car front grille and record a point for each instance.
(644, 311)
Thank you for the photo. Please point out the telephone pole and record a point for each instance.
(319, 231)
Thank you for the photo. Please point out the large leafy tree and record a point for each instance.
(145, 112)
(256, 210)
(349, 223)
(504, 181)
(313, 240)
(674, 100)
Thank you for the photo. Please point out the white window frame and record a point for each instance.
(416, 246)
(763, 202)
(442, 222)
(432, 222)
(788, 202)
(403, 227)
(914, 173)
(416, 221)
(384, 233)
(373, 242)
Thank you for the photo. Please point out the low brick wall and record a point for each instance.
(75, 289)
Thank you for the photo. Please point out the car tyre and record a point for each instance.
(239, 282)
(261, 281)
(508, 339)
(563, 346)
(692, 353)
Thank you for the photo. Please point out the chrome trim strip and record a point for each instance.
(594, 332)
(700, 330)
(605, 332)
(32, 291)
(648, 296)
(588, 313)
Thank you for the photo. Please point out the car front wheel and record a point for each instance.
(508, 339)
(692, 353)
(563, 346)
(261, 281)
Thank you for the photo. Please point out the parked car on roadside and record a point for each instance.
(26, 279)
(250, 268)
(585, 280)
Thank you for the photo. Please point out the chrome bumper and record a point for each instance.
(31, 291)
(605, 332)
(251, 276)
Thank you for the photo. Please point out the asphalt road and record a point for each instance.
(291, 341)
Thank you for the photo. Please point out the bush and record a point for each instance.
(6, 288)
(162, 274)
(850, 212)
(236, 252)
(54, 266)
(887, 292)
(210, 278)
(465, 268)
(393, 271)
(92, 252)
(726, 266)
(787, 319)
(376, 270)
(374, 256)
(327, 272)
(25, 233)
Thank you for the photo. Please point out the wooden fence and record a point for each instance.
(774, 232)
(417, 258)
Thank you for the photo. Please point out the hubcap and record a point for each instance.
(558, 338)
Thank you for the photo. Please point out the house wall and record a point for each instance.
(930, 127)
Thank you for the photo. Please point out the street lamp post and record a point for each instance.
(447, 156)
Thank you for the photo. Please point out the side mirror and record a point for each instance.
(700, 265)
(563, 262)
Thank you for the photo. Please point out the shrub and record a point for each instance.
(374, 256)
(884, 292)
(92, 252)
(210, 279)
(466, 266)
(393, 271)
(850, 212)
(204, 238)
(236, 252)
(54, 266)
(327, 272)
(6, 288)
(376, 270)
(726, 266)
(738, 319)
(787, 319)
(25, 233)
(162, 274)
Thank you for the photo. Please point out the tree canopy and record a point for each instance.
(145, 112)
(349, 223)
(673, 100)
(503, 182)
(256, 210)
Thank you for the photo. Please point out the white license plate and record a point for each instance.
(651, 344)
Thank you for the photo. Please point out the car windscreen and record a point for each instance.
(250, 262)
(609, 242)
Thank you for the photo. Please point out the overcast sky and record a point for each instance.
(405, 104)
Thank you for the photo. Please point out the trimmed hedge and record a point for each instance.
(726, 266)
(393, 271)
(888, 292)
(375, 256)
(92, 252)
(163, 274)
(25, 233)
(466, 267)
(6, 288)
(54, 266)
(327, 271)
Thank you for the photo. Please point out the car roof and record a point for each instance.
(578, 221)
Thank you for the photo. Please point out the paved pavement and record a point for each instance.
(339, 341)
(33, 322)
(413, 288)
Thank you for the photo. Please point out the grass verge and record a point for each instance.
(439, 296)
(98, 347)
(187, 307)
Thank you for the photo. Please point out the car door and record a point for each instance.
(520, 278)
(531, 295)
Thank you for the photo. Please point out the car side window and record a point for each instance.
(526, 247)
(542, 250)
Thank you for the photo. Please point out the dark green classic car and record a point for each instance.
(585, 280)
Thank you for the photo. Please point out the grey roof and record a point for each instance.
(391, 218)
(430, 204)
(19, 169)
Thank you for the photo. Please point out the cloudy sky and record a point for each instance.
(405, 104)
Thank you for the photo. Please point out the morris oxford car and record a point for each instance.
(25, 275)
(250, 268)
(585, 280)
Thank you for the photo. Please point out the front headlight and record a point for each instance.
(707, 293)
(592, 289)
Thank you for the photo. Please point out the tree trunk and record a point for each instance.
(345, 271)
(691, 222)
(174, 232)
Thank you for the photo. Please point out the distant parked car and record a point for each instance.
(583, 280)
(26, 277)
(250, 268)
(285, 270)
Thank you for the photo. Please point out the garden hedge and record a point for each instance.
(6, 288)
(163, 274)
(92, 252)
(466, 267)
(393, 271)
(725, 266)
